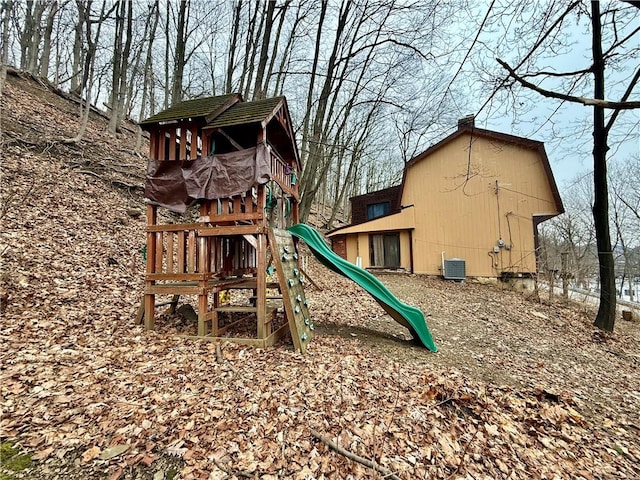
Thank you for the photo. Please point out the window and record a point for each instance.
(384, 250)
(376, 210)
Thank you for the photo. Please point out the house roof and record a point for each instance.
(248, 112)
(402, 220)
(466, 129)
(198, 107)
(391, 191)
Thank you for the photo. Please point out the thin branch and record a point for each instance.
(569, 98)
(615, 114)
(558, 21)
(356, 458)
(561, 74)
(620, 42)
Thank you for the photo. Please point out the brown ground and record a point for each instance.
(519, 388)
(500, 336)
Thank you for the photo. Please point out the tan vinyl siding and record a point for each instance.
(352, 248)
(405, 250)
(458, 211)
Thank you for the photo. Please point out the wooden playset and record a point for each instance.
(236, 162)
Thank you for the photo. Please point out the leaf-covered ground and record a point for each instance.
(520, 388)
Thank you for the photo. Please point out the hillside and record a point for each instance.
(520, 388)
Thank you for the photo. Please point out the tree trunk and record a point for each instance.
(31, 35)
(606, 316)
(78, 59)
(259, 89)
(88, 76)
(179, 57)
(6, 9)
(46, 40)
(233, 46)
(121, 52)
(252, 48)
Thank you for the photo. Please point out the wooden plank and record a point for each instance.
(170, 252)
(229, 231)
(231, 217)
(159, 252)
(194, 142)
(172, 144)
(151, 253)
(173, 227)
(181, 252)
(191, 252)
(171, 289)
(237, 308)
(253, 342)
(202, 255)
(183, 142)
(286, 262)
(162, 140)
(277, 335)
(176, 276)
(153, 144)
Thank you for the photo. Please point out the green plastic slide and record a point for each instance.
(406, 315)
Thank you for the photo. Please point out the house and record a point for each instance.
(467, 206)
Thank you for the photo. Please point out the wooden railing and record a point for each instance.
(282, 173)
(246, 207)
(192, 252)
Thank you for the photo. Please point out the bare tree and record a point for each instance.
(6, 10)
(86, 85)
(617, 19)
(121, 51)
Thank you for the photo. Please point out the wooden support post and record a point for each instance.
(203, 306)
(261, 284)
(150, 299)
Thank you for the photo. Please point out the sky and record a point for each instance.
(563, 126)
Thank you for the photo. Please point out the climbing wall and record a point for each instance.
(285, 259)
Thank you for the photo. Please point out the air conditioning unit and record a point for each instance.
(455, 269)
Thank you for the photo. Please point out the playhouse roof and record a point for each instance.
(198, 107)
(247, 112)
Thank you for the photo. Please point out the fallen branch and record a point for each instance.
(356, 458)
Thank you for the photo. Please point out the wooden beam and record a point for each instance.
(234, 230)
(235, 144)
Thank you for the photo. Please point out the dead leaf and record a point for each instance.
(112, 452)
(90, 454)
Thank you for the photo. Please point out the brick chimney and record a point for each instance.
(466, 122)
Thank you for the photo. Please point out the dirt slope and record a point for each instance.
(520, 389)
